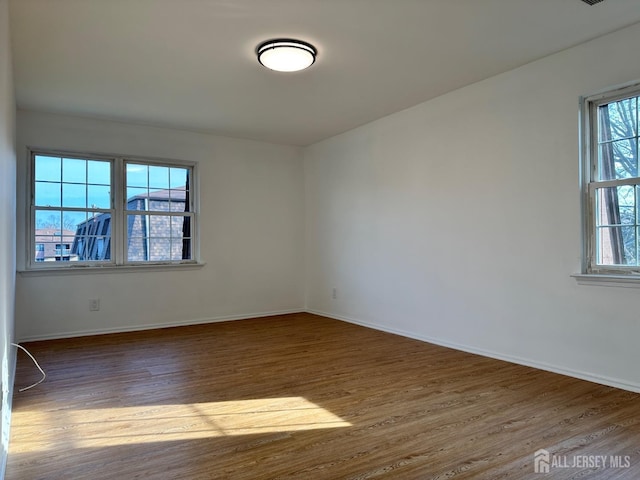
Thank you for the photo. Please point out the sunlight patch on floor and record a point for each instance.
(104, 427)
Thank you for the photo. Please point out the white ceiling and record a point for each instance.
(190, 64)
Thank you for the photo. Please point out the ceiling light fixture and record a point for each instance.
(286, 55)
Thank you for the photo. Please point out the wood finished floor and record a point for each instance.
(302, 397)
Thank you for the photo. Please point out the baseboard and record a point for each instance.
(608, 381)
(153, 326)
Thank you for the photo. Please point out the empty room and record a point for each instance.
(319, 239)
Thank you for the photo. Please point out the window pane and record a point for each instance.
(616, 206)
(616, 245)
(618, 119)
(137, 198)
(159, 249)
(136, 238)
(99, 173)
(99, 248)
(159, 201)
(137, 175)
(178, 177)
(71, 220)
(618, 159)
(617, 136)
(137, 225)
(158, 177)
(178, 198)
(180, 226)
(74, 195)
(47, 169)
(137, 249)
(74, 170)
(160, 226)
(92, 240)
(99, 196)
(49, 220)
(47, 194)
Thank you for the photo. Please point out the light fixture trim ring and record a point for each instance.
(277, 43)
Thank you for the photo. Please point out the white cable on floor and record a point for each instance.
(44, 375)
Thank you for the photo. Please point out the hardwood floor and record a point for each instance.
(304, 397)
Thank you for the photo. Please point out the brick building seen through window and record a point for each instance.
(151, 236)
(52, 245)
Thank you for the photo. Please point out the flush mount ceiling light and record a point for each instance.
(286, 55)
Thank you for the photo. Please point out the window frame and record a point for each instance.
(118, 253)
(589, 183)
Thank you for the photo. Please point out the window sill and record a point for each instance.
(93, 270)
(600, 280)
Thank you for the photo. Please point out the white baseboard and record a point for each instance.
(152, 326)
(609, 381)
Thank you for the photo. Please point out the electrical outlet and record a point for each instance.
(94, 304)
(334, 293)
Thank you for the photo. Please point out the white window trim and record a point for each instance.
(618, 276)
(118, 262)
(599, 280)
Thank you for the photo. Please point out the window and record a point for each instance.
(39, 252)
(162, 232)
(611, 182)
(109, 211)
(63, 252)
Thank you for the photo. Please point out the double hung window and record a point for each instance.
(89, 210)
(611, 182)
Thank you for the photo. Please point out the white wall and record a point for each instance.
(252, 229)
(7, 222)
(458, 221)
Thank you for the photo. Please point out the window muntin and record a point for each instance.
(612, 183)
(86, 210)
